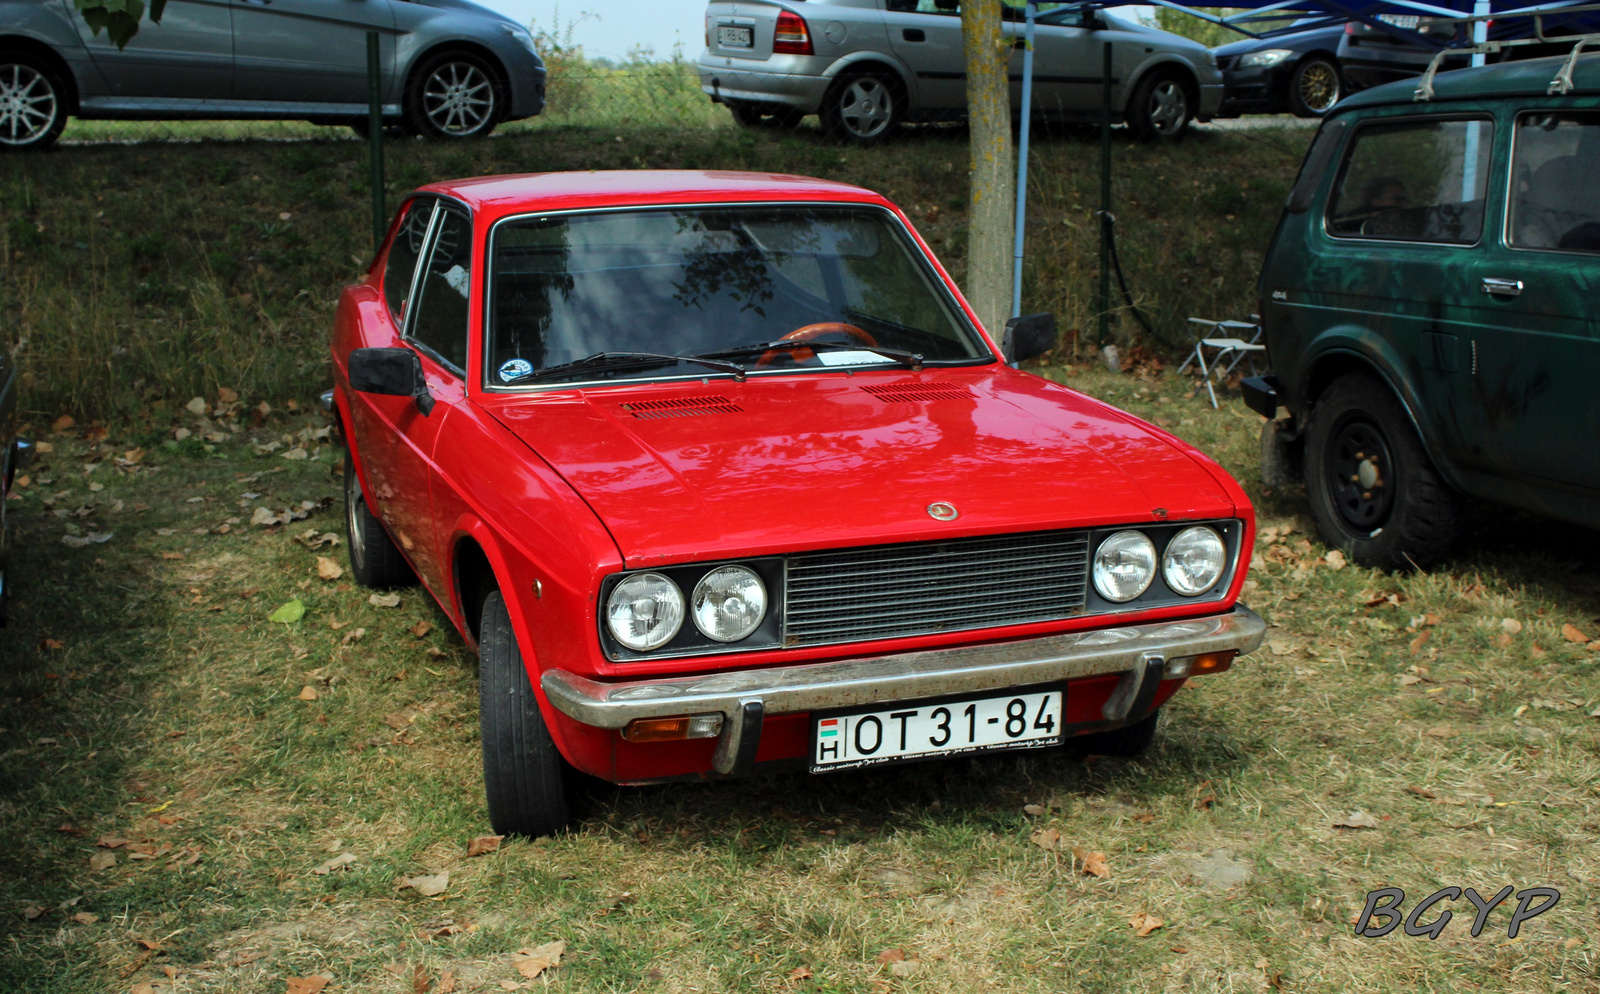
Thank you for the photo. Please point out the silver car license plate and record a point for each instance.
(1018, 720)
(735, 36)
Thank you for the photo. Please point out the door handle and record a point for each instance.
(258, 3)
(1501, 287)
(914, 34)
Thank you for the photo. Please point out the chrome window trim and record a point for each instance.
(922, 260)
(440, 206)
(422, 253)
(1511, 161)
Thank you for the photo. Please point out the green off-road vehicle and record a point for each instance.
(1431, 307)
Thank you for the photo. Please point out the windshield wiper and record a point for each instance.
(614, 360)
(911, 360)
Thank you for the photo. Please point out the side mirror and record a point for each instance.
(1028, 337)
(391, 372)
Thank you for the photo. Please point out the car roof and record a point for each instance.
(499, 195)
(1525, 78)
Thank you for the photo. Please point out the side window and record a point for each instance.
(925, 6)
(1555, 182)
(441, 322)
(1415, 181)
(402, 262)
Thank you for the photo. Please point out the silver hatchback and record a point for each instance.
(865, 66)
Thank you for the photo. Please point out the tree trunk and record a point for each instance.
(993, 199)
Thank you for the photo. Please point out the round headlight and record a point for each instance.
(1194, 561)
(728, 603)
(1124, 565)
(645, 611)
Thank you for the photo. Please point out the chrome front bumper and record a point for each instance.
(1143, 654)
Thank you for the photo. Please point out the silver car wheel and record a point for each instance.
(354, 506)
(458, 99)
(1169, 107)
(28, 104)
(866, 108)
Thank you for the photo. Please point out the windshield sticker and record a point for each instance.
(855, 358)
(514, 369)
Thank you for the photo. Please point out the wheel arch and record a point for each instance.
(47, 53)
(502, 75)
(864, 62)
(1337, 362)
(1164, 62)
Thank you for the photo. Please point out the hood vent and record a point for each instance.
(912, 393)
(681, 407)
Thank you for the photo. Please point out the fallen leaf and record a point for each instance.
(428, 885)
(1356, 819)
(447, 983)
(102, 861)
(1511, 626)
(1033, 809)
(397, 721)
(1047, 838)
(142, 988)
(32, 911)
(421, 983)
(384, 600)
(289, 613)
(224, 395)
(62, 423)
(532, 962)
(800, 973)
(51, 645)
(85, 918)
(351, 638)
(1094, 863)
(1572, 634)
(1407, 679)
(306, 985)
(891, 956)
(1441, 732)
(1418, 642)
(1143, 924)
(483, 845)
(342, 860)
(420, 629)
(308, 693)
(1420, 792)
(327, 569)
(1336, 560)
(905, 968)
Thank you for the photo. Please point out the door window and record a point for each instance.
(925, 6)
(1415, 181)
(1555, 182)
(401, 267)
(441, 322)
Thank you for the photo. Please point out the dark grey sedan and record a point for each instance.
(450, 69)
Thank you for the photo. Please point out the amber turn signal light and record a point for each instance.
(1211, 662)
(675, 729)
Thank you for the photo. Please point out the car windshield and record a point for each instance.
(713, 282)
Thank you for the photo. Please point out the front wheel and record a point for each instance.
(1160, 108)
(455, 95)
(863, 109)
(1374, 492)
(527, 784)
(1314, 87)
(33, 103)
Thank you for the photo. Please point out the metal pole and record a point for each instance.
(1480, 29)
(1022, 161)
(1105, 194)
(380, 215)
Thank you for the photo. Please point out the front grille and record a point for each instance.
(889, 591)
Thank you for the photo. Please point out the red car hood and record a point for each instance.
(680, 472)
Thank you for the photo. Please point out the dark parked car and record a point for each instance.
(1427, 304)
(1298, 73)
(451, 69)
(1371, 56)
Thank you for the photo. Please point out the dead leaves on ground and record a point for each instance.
(327, 569)
(483, 845)
(307, 985)
(532, 962)
(338, 862)
(1356, 819)
(1144, 923)
(428, 885)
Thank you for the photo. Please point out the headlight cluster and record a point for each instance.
(646, 610)
(1261, 60)
(1125, 563)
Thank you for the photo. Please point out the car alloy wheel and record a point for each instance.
(31, 111)
(866, 108)
(1316, 88)
(1168, 108)
(458, 99)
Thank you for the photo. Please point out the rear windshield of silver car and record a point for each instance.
(712, 282)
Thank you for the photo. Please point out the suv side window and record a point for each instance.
(1414, 181)
(1555, 182)
(401, 266)
(441, 321)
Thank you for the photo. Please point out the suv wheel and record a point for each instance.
(455, 95)
(33, 102)
(525, 780)
(1314, 87)
(1161, 106)
(1373, 489)
(374, 559)
(863, 108)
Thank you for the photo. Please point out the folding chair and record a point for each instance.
(1224, 343)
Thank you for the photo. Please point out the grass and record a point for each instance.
(172, 715)
(136, 276)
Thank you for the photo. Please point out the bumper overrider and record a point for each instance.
(1144, 655)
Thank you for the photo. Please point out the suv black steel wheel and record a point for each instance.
(455, 95)
(1374, 492)
(33, 102)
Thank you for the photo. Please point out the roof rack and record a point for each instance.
(1559, 85)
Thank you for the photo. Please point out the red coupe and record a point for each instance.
(720, 473)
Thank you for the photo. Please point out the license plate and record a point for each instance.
(1019, 720)
(735, 36)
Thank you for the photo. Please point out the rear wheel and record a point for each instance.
(1161, 107)
(1374, 492)
(863, 108)
(33, 102)
(527, 784)
(455, 95)
(375, 561)
(1314, 87)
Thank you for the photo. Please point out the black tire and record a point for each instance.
(33, 102)
(455, 95)
(1130, 740)
(1162, 105)
(375, 561)
(863, 108)
(1315, 86)
(526, 782)
(1374, 492)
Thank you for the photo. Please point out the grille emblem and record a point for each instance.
(943, 511)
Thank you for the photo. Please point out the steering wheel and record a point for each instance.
(808, 332)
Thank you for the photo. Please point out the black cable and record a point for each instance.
(1109, 222)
